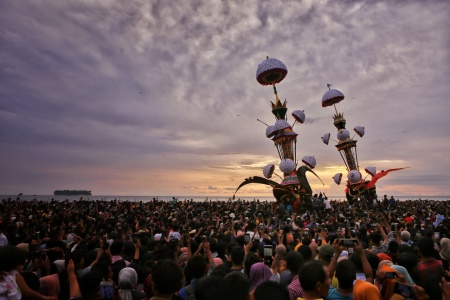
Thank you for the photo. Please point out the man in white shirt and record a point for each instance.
(326, 202)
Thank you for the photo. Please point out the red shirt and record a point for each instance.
(431, 269)
(408, 219)
(295, 206)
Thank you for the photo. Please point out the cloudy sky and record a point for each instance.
(160, 97)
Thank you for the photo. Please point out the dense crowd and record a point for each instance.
(237, 249)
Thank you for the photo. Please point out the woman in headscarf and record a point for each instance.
(445, 252)
(128, 280)
(388, 284)
(259, 273)
(404, 272)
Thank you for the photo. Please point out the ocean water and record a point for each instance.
(181, 198)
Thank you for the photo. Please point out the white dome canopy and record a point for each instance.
(343, 134)
(270, 131)
(354, 176)
(359, 130)
(310, 161)
(331, 97)
(287, 165)
(281, 124)
(268, 170)
(299, 115)
(271, 71)
(337, 178)
(326, 138)
(371, 170)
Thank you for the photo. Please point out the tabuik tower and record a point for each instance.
(294, 184)
(357, 187)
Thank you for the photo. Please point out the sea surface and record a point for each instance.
(182, 198)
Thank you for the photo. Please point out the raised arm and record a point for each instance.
(337, 251)
(208, 252)
(188, 244)
(383, 234)
(28, 292)
(137, 250)
(73, 282)
(367, 269)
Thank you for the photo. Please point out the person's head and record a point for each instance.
(306, 252)
(366, 291)
(57, 233)
(237, 255)
(405, 248)
(250, 259)
(78, 258)
(31, 280)
(196, 267)
(220, 271)
(280, 251)
(236, 285)
(129, 249)
(128, 279)
(116, 268)
(326, 253)
(425, 246)
(306, 240)
(376, 237)
(12, 258)
(251, 226)
(405, 236)
(90, 284)
(166, 276)
(294, 261)
(373, 260)
(345, 274)
(116, 247)
(174, 245)
(230, 246)
(393, 247)
(213, 245)
(259, 273)
(209, 287)
(271, 290)
(314, 278)
(408, 260)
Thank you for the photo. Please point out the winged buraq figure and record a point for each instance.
(298, 188)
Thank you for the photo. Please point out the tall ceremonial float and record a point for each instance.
(356, 187)
(294, 184)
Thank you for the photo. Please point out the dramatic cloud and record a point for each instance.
(158, 98)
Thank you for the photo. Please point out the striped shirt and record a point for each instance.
(295, 289)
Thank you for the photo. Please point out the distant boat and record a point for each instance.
(73, 193)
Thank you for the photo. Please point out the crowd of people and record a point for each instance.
(238, 249)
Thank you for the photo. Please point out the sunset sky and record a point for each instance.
(160, 97)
